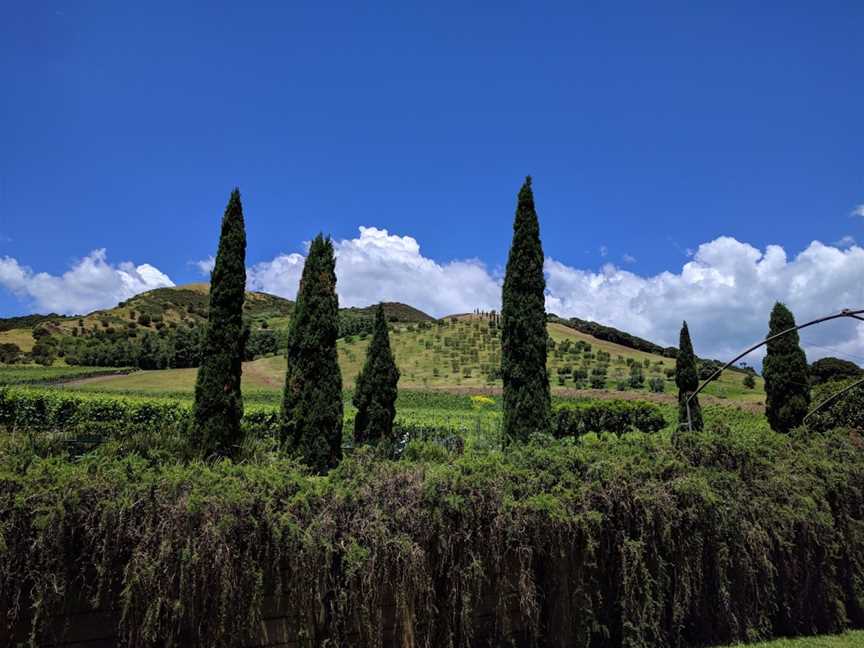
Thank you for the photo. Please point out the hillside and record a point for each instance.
(462, 354)
(187, 304)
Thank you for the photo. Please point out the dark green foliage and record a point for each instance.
(9, 353)
(218, 405)
(261, 342)
(657, 385)
(617, 417)
(637, 377)
(687, 380)
(312, 401)
(750, 381)
(376, 391)
(845, 411)
(523, 328)
(787, 383)
(635, 544)
(44, 352)
(827, 369)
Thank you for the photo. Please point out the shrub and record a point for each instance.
(828, 369)
(657, 385)
(576, 419)
(737, 537)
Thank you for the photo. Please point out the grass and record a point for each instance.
(459, 356)
(847, 640)
(23, 338)
(34, 374)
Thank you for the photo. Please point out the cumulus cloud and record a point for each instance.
(725, 290)
(628, 258)
(859, 211)
(725, 293)
(205, 266)
(379, 266)
(90, 284)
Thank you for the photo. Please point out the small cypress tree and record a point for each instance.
(218, 406)
(687, 380)
(376, 391)
(523, 327)
(312, 401)
(787, 380)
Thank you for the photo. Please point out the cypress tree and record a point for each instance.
(376, 391)
(218, 406)
(787, 381)
(312, 402)
(523, 327)
(687, 380)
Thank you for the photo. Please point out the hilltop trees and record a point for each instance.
(312, 402)
(523, 327)
(218, 404)
(687, 380)
(375, 395)
(787, 391)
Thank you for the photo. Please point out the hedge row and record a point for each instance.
(616, 416)
(48, 409)
(636, 544)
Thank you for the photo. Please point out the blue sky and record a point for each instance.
(649, 129)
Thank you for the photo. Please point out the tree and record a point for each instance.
(312, 402)
(828, 369)
(750, 381)
(523, 327)
(218, 406)
(687, 380)
(787, 383)
(376, 391)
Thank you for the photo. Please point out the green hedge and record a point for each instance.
(635, 544)
(616, 416)
(61, 411)
(24, 375)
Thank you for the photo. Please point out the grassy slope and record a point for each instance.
(22, 337)
(432, 358)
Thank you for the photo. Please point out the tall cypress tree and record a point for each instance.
(312, 402)
(376, 391)
(787, 380)
(218, 406)
(687, 380)
(523, 327)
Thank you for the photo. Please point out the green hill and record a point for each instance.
(462, 354)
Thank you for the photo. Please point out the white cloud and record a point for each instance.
(90, 284)
(205, 266)
(627, 258)
(379, 266)
(859, 210)
(845, 242)
(725, 292)
(604, 251)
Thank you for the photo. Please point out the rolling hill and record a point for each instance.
(462, 354)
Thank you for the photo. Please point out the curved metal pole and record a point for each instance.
(846, 312)
(832, 399)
